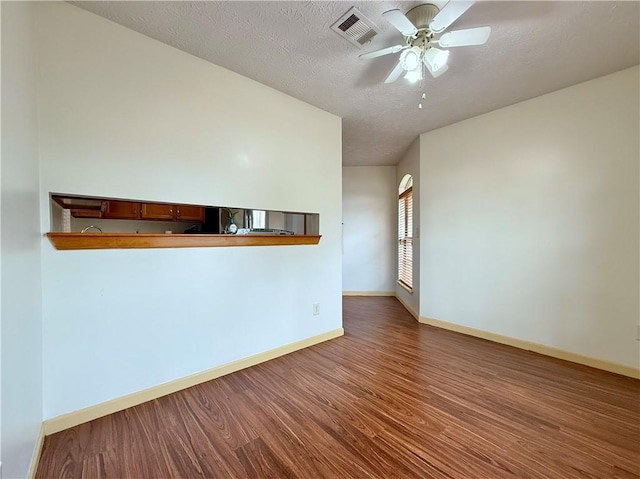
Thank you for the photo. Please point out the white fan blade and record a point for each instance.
(395, 73)
(449, 14)
(401, 22)
(463, 38)
(384, 51)
(438, 72)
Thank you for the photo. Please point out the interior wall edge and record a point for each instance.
(535, 347)
(69, 420)
(37, 452)
(408, 308)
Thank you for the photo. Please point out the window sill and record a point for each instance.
(404, 286)
(71, 241)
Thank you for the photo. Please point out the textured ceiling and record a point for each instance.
(535, 48)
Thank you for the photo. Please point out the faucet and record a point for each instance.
(89, 227)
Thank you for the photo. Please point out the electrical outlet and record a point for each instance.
(316, 309)
(638, 333)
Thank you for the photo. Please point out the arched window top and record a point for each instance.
(405, 184)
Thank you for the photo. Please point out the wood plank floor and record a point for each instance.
(390, 399)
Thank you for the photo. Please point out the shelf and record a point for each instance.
(69, 241)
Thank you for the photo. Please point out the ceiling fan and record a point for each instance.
(420, 26)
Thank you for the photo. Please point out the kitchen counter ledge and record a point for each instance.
(69, 241)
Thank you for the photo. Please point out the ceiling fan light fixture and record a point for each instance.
(410, 58)
(414, 75)
(436, 58)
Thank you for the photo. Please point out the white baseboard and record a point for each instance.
(65, 421)
(368, 293)
(407, 307)
(536, 348)
(35, 457)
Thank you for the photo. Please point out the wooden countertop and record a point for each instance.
(69, 241)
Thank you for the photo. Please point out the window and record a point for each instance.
(405, 232)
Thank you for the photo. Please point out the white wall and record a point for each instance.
(530, 220)
(21, 326)
(369, 215)
(125, 116)
(410, 165)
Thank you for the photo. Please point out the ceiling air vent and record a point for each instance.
(355, 27)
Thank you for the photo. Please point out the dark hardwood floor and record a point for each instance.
(390, 399)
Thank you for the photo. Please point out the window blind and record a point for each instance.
(405, 238)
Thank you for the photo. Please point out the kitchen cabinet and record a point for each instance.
(122, 210)
(189, 213)
(81, 207)
(159, 211)
(85, 213)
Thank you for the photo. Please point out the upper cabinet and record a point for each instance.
(189, 213)
(159, 211)
(122, 210)
(130, 210)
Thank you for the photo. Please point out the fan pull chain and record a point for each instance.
(424, 95)
(422, 86)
